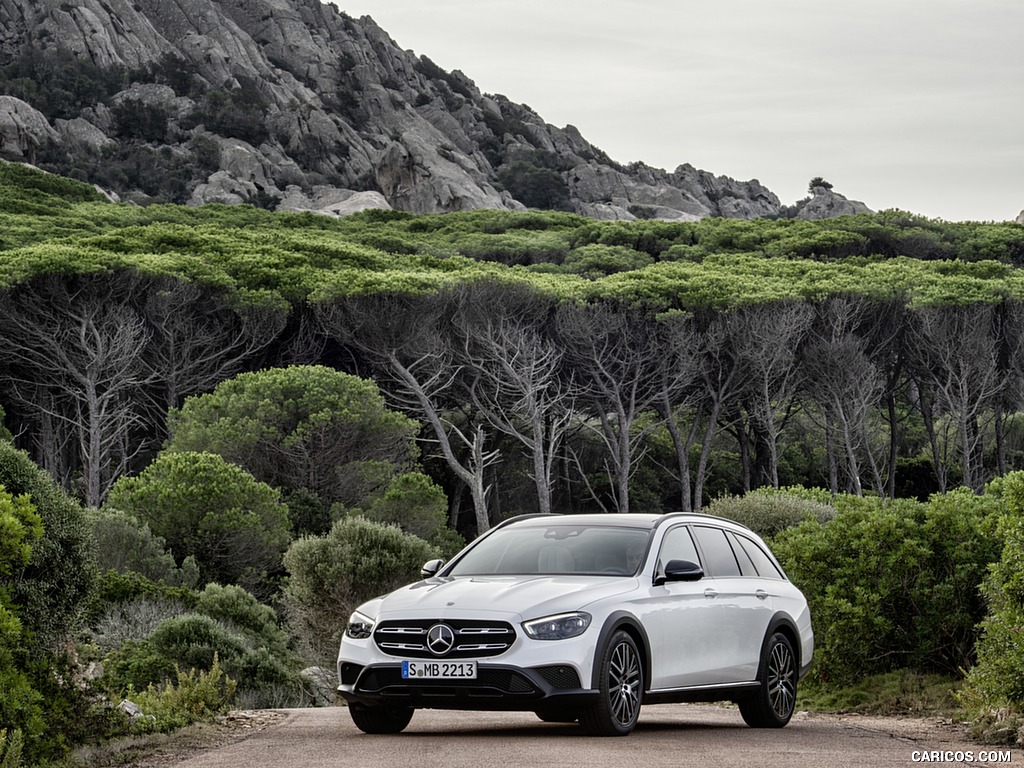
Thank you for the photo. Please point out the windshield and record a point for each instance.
(556, 549)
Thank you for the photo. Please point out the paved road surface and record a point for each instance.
(703, 736)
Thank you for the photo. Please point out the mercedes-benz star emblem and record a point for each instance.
(440, 639)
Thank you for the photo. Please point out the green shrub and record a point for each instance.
(768, 512)
(10, 748)
(241, 611)
(135, 666)
(418, 506)
(234, 526)
(198, 695)
(194, 640)
(331, 575)
(997, 679)
(51, 591)
(595, 261)
(893, 584)
(227, 624)
(127, 545)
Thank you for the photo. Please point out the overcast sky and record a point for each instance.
(911, 104)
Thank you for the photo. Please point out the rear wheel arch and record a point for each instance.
(784, 625)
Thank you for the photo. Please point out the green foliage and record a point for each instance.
(997, 680)
(234, 526)
(419, 507)
(197, 696)
(116, 587)
(595, 261)
(331, 575)
(894, 693)
(237, 113)
(50, 592)
(893, 584)
(20, 704)
(240, 610)
(5, 434)
(135, 119)
(536, 187)
(126, 544)
(57, 82)
(10, 748)
(768, 512)
(303, 427)
(20, 528)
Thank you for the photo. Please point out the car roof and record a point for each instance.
(620, 520)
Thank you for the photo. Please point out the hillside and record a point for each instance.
(291, 104)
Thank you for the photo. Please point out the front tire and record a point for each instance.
(621, 686)
(380, 719)
(773, 704)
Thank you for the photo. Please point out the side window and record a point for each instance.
(720, 559)
(765, 567)
(678, 545)
(746, 564)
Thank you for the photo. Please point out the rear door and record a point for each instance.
(742, 605)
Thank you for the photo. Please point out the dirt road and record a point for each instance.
(668, 735)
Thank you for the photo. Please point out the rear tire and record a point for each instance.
(621, 686)
(773, 704)
(380, 719)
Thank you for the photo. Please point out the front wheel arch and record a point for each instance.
(627, 623)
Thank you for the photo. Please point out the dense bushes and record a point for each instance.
(227, 626)
(893, 584)
(234, 526)
(331, 575)
(997, 680)
(768, 512)
(51, 591)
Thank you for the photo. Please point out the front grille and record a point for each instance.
(560, 677)
(407, 639)
(489, 682)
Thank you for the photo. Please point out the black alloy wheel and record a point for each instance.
(621, 685)
(772, 706)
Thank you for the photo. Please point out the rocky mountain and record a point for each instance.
(295, 105)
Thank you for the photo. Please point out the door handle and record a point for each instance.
(709, 592)
(761, 594)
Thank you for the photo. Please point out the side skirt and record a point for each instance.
(733, 692)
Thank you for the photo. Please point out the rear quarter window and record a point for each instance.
(766, 567)
(716, 550)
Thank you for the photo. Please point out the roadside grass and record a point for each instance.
(894, 693)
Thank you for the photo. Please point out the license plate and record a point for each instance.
(439, 670)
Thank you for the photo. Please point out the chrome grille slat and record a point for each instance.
(475, 638)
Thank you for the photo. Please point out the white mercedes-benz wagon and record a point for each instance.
(584, 618)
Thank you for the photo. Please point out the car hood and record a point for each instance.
(527, 597)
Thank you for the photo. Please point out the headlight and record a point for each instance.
(560, 627)
(359, 627)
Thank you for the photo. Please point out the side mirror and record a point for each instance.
(430, 568)
(683, 570)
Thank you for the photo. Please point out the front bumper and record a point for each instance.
(497, 687)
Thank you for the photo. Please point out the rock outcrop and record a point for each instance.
(294, 103)
(826, 204)
(23, 130)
